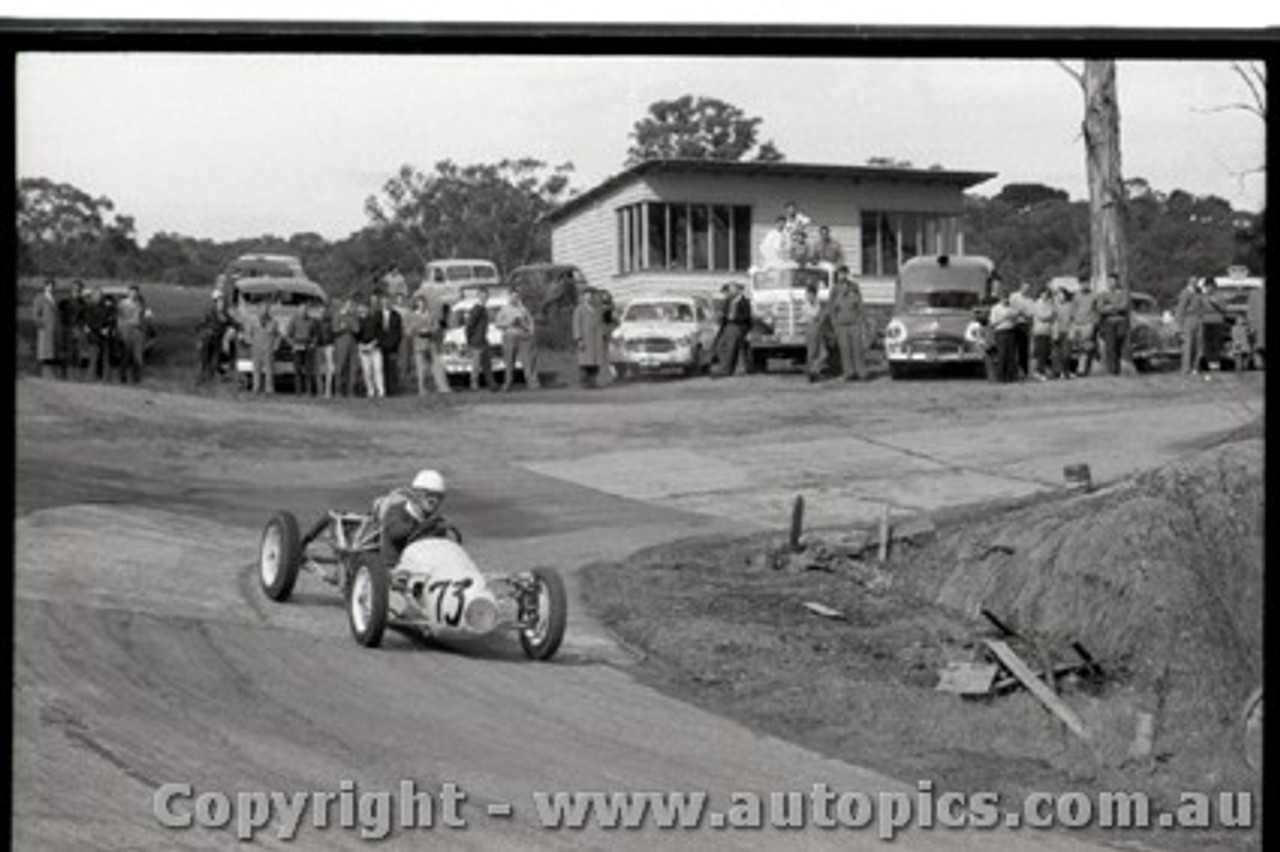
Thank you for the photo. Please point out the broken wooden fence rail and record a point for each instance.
(1038, 688)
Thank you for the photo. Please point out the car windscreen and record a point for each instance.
(659, 312)
(958, 300)
(786, 279)
(296, 299)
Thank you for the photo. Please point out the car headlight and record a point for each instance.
(895, 331)
(973, 333)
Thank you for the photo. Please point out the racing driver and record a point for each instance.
(409, 514)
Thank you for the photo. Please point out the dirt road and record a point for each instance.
(145, 654)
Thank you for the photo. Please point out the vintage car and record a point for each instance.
(435, 589)
(285, 298)
(457, 361)
(1154, 337)
(939, 312)
(447, 278)
(778, 311)
(258, 265)
(666, 332)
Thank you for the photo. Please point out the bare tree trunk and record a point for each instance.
(1106, 184)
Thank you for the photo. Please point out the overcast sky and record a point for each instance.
(227, 146)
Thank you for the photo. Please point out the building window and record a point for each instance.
(692, 237)
(888, 239)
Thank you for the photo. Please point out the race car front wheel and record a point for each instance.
(368, 601)
(279, 556)
(542, 639)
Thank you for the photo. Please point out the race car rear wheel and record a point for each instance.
(542, 639)
(279, 556)
(368, 602)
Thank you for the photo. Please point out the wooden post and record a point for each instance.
(797, 522)
(884, 532)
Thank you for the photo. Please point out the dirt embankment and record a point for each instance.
(1162, 577)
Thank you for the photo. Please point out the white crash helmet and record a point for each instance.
(429, 480)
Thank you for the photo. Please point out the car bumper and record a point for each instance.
(909, 353)
(680, 357)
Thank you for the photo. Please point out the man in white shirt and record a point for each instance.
(517, 342)
(775, 248)
(796, 221)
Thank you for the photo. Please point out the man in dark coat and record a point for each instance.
(733, 338)
(477, 332)
(100, 325)
(390, 336)
(71, 312)
(210, 333)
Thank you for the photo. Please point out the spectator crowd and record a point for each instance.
(93, 336)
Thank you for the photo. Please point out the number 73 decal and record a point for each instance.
(450, 598)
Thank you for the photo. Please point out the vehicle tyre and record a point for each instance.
(279, 556)
(1142, 365)
(541, 641)
(897, 371)
(368, 602)
(759, 359)
(695, 364)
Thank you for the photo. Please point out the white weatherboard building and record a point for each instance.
(691, 225)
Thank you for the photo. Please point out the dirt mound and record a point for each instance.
(1161, 578)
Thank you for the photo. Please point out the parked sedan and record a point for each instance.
(658, 333)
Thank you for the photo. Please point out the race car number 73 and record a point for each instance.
(455, 593)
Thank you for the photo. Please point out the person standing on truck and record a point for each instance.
(827, 249)
(775, 248)
(847, 319)
(733, 339)
(796, 221)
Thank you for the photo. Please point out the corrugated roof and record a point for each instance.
(962, 179)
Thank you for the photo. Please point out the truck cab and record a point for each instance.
(780, 314)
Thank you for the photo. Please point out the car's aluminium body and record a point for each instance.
(938, 313)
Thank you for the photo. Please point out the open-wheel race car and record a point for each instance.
(435, 588)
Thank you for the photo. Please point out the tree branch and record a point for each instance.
(1076, 75)
(1255, 78)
